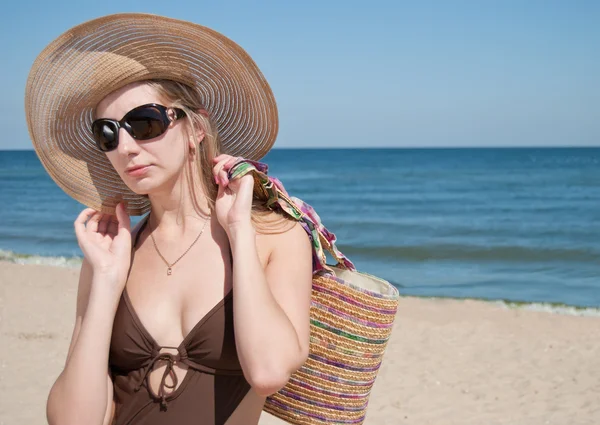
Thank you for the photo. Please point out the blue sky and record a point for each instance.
(376, 73)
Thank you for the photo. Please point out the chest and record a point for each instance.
(170, 306)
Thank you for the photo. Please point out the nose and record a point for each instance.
(127, 144)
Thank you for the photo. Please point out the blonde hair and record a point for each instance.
(189, 100)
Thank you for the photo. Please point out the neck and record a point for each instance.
(174, 212)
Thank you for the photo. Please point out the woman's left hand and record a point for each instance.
(234, 198)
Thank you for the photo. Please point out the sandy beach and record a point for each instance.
(448, 362)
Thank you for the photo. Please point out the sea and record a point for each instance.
(519, 226)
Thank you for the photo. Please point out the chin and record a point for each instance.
(141, 187)
(152, 182)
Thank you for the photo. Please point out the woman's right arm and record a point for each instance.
(83, 392)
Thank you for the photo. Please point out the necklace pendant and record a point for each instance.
(169, 271)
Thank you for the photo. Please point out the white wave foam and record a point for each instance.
(552, 308)
(12, 257)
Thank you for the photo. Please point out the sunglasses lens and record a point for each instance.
(146, 123)
(145, 128)
(142, 123)
(105, 135)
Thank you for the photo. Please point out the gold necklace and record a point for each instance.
(169, 266)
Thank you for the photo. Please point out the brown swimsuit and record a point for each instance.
(212, 388)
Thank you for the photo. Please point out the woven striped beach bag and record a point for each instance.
(351, 319)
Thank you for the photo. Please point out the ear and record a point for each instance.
(200, 133)
(191, 144)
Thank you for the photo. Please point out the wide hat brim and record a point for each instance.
(86, 63)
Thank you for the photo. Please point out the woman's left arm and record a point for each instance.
(271, 305)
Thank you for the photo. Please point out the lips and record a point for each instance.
(135, 167)
(137, 170)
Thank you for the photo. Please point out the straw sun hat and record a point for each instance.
(83, 65)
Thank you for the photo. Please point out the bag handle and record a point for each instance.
(271, 190)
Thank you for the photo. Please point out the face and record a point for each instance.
(162, 158)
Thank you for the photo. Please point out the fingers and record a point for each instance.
(218, 173)
(219, 168)
(223, 176)
(124, 222)
(88, 220)
(231, 162)
(220, 192)
(113, 225)
(92, 224)
(103, 223)
(81, 220)
(92, 221)
(223, 156)
(223, 164)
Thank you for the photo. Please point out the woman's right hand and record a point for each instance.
(105, 240)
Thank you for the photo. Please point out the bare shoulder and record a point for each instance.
(284, 238)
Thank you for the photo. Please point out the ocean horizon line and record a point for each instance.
(381, 148)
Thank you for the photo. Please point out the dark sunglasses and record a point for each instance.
(142, 123)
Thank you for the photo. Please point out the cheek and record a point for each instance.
(170, 152)
(168, 156)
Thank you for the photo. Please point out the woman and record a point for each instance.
(202, 310)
